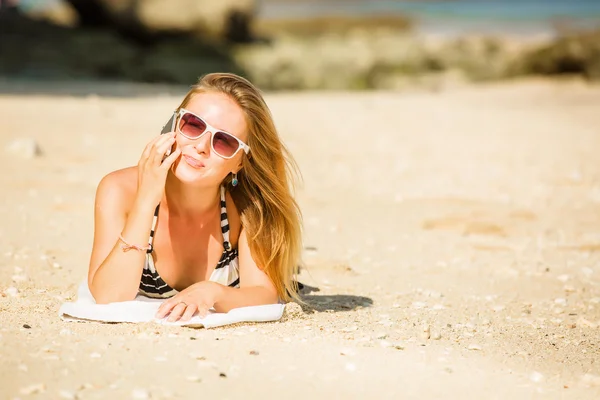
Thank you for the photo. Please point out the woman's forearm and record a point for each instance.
(230, 298)
(118, 277)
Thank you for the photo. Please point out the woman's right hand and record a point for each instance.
(152, 170)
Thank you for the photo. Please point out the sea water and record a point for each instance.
(525, 16)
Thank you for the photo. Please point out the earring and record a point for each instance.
(234, 180)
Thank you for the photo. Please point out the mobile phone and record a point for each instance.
(169, 127)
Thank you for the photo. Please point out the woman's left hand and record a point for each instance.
(199, 297)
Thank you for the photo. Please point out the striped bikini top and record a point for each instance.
(226, 272)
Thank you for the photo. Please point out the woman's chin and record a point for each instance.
(185, 173)
(188, 174)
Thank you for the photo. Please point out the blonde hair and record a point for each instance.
(269, 213)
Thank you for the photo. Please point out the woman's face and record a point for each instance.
(198, 162)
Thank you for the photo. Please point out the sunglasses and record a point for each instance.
(224, 144)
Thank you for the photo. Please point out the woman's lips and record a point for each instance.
(192, 162)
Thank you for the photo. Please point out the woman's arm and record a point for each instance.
(255, 286)
(114, 274)
(125, 202)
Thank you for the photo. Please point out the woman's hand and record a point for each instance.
(199, 297)
(152, 170)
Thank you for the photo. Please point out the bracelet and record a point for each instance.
(126, 246)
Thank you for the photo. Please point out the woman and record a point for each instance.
(212, 224)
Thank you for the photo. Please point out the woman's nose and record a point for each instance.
(203, 142)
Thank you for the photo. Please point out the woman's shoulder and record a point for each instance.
(119, 185)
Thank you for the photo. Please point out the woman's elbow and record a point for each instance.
(106, 297)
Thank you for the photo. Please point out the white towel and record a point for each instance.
(143, 309)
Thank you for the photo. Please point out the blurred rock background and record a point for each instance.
(279, 44)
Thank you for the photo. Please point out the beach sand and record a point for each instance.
(452, 249)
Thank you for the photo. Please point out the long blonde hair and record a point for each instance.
(269, 213)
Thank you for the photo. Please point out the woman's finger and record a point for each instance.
(189, 312)
(166, 307)
(166, 164)
(203, 310)
(160, 149)
(148, 148)
(177, 311)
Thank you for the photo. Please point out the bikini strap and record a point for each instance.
(224, 221)
(152, 230)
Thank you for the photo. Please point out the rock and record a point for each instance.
(436, 335)
(32, 48)
(11, 291)
(560, 301)
(418, 305)
(33, 389)
(217, 18)
(26, 148)
(577, 53)
(225, 19)
(474, 347)
(19, 278)
(536, 377)
(569, 289)
(140, 394)
(66, 394)
(432, 293)
(292, 311)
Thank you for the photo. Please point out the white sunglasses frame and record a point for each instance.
(212, 130)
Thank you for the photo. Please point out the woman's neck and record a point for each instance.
(190, 201)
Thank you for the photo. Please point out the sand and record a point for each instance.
(452, 249)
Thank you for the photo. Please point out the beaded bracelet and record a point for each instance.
(126, 246)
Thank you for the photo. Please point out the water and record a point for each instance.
(525, 16)
(438, 16)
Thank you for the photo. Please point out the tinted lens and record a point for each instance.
(191, 126)
(225, 144)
